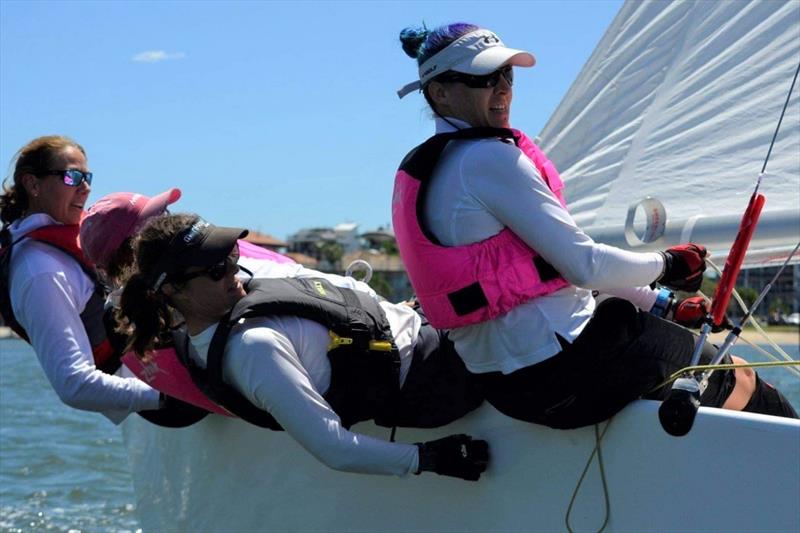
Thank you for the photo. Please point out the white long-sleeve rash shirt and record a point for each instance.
(49, 291)
(484, 185)
(280, 364)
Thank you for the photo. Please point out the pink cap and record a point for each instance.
(115, 217)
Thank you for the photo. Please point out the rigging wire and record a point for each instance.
(731, 338)
(752, 320)
(775, 135)
(768, 286)
(726, 284)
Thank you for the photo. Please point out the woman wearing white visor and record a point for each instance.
(494, 255)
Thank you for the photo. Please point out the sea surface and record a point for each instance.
(67, 470)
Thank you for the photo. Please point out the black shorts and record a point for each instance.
(621, 355)
(438, 388)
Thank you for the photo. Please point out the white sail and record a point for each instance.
(679, 101)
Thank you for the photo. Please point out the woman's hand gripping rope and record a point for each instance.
(691, 312)
(683, 267)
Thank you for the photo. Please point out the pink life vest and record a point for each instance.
(463, 285)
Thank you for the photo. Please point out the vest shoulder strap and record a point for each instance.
(421, 161)
(313, 298)
(59, 236)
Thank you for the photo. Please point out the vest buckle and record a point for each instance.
(337, 341)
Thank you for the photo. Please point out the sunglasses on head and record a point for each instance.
(72, 176)
(479, 82)
(214, 272)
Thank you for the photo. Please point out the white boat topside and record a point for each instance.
(733, 472)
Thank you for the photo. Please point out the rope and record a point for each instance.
(727, 366)
(598, 437)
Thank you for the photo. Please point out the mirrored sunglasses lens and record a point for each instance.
(70, 178)
(73, 178)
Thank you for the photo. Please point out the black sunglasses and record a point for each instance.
(479, 82)
(72, 176)
(214, 272)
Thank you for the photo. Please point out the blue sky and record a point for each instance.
(269, 115)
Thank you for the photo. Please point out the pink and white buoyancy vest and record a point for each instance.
(462, 285)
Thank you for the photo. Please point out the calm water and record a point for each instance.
(60, 469)
(66, 470)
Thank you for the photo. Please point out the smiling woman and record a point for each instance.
(48, 289)
(35, 191)
(63, 197)
(494, 256)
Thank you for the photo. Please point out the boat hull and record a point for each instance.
(733, 472)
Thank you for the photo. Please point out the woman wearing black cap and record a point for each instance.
(494, 255)
(311, 354)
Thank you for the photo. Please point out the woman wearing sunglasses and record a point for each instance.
(49, 293)
(311, 354)
(494, 255)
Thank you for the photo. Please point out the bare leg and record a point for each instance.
(744, 388)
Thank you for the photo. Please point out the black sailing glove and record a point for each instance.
(683, 267)
(457, 456)
(173, 413)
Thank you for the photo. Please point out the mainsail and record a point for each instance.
(679, 101)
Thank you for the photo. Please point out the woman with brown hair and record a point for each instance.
(49, 293)
(310, 353)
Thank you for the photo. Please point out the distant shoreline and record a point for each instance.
(779, 336)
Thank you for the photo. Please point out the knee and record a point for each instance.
(746, 375)
(744, 388)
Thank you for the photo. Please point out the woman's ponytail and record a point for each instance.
(143, 315)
